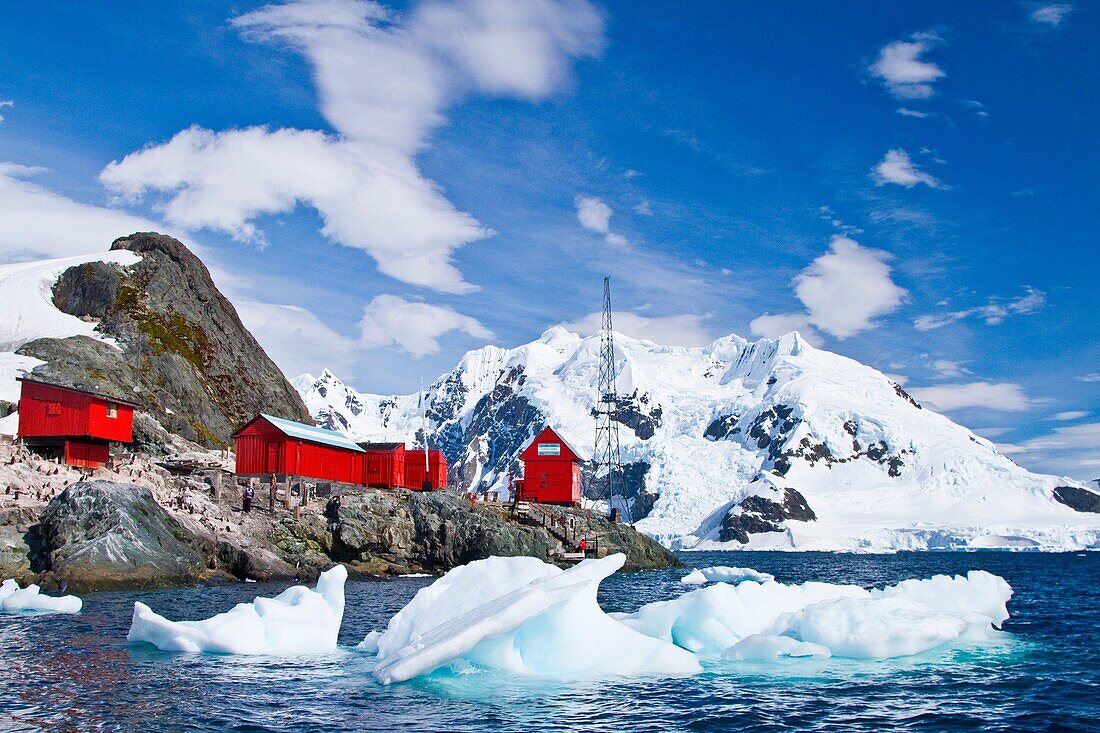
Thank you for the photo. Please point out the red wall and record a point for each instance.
(552, 481)
(48, 412)
(87, 455)
(262, 448)
(385, 468)
(414, 469)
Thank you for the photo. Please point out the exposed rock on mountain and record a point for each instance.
(164, 336)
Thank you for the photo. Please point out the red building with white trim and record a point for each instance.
(73, 424)
(269, 445)
(551, 471)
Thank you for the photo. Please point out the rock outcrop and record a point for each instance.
(185, 355)
(99, 535)
(759, 514)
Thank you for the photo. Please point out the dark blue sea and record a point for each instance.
(70, 673)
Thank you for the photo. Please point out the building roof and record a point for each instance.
(578, 455)
(381, 446)
(312, 433)
(79, 390)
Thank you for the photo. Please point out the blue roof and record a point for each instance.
(312, 433)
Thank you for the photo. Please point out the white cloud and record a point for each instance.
(644, 209)
(1072, 450)
(384, 82)
(1069, 415)
(896, 167)
(593, 214)
(901, 69)
(947, 369)
(993, 313)
(774, 326)
(1051, 15)
(844, 290)
(679, 330)
(1093, 377)
(224, 181)
(906, 112)
(295, 338)
(5, 103)
(40, 223)
(415, 327)
(1002, 396)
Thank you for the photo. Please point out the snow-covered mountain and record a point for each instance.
(737, 444)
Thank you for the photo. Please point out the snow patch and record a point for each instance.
(297, 621)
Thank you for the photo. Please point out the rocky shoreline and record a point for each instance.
(138, 526)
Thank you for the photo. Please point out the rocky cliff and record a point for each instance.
(182, 351)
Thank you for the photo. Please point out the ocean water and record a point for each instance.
(62, 673)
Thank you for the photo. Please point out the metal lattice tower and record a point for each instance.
(607, 469)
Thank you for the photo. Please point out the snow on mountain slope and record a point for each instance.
(737, 444)
(27, 312)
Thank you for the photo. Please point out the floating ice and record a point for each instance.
(725, 574)
(766, 646)
(754, 621)
(297, 621)
(525, 616)
(14, 599)
(708, 620)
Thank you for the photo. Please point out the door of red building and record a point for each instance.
(273, 457)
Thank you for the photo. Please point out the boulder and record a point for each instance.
(98, 535)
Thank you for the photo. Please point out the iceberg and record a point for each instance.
(709, 620)
(524, 616)
(725, 574)
(14, 599)
(297, 621)
(756, 621)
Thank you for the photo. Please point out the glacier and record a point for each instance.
(297, 621)
(527, 617)
(767, 444)
(14, 599)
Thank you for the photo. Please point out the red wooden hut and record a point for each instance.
(271, 445)
(435, 472)
(74, 424)
(551, 471)
(384, 464)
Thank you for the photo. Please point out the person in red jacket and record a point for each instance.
(583, 546)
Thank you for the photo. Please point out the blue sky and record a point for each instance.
(382, 187)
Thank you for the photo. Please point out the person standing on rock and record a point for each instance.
(246, 499)
(583, 546)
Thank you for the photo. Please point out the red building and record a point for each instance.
(435, 472)
(551, 471)
(384, 464)
(73, 424)
(271, 445)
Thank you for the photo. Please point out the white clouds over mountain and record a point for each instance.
(844, 290)
(384, 82)
(415, 327)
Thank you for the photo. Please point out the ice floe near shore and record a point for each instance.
(299, 620)
(524, 616)
(14, 599)
(724, 574)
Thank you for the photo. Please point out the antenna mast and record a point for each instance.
(607, 470)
